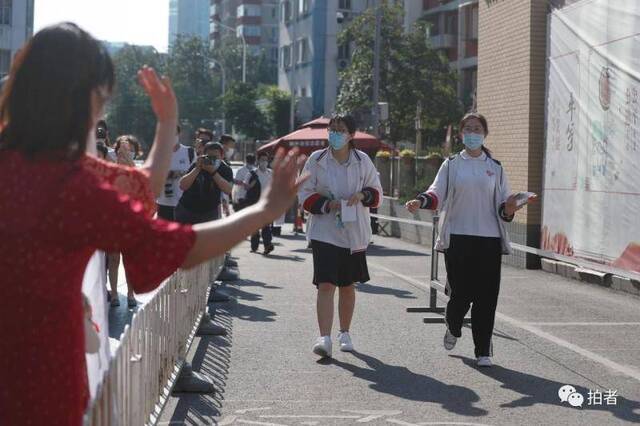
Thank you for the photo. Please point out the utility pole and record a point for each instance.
(376, 70)
(292, 80)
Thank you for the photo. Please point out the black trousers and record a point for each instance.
(266, 238)
(473, 271)
(166, 212)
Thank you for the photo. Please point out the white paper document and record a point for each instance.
(348, 213)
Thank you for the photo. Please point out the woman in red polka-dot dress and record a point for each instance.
(57, 208)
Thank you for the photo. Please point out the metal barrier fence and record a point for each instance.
(435, 284)
(152, 351)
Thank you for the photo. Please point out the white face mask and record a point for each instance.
(263, 165)
(229, 153)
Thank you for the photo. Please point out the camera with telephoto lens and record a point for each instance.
(207, 161)
(101, 133)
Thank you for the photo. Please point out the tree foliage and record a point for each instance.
(277, 111)
(130, 110)
(188, 66)
(411, 71)
(241, 111)
(260, 70)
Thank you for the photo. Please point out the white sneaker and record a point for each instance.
(346, 345)
(449, 340)
(323, 347)
(484, 361)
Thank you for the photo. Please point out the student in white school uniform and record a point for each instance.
(181, 159)
(472, 194)
(342, 186)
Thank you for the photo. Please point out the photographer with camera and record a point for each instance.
(203, 186)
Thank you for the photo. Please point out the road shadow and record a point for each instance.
(384, 291)
(243, 311)
(212, 359)
(382, 251)
(293, 258)
(538, 390)
(401, 382)
(251, 283)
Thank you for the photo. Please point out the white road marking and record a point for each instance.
(628, 371)
(372, 415)
(304, 416)
(251, 422)
(227, 420)
(400, 422)
(247, 410)
(597, 324)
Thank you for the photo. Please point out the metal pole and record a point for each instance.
(244, 59)
(292, 80)
(376, 70)
(224, 90)
(244, 49)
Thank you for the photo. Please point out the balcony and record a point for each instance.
(444, 41)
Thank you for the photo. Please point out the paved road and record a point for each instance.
(550, 332)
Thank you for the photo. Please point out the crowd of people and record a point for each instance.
(72, 192)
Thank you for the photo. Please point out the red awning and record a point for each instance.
(312, 136)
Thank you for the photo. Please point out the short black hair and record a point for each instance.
(226, 138)
(103, 124)
(178, 129)
(345, 119)
(263, 154)
(250, 159)
(203, 131)
(214, 145)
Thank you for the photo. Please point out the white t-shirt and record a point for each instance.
(474, 190)
(238, 192)
(179, 165)
(265, 179)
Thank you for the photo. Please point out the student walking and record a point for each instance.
(343, 184)
(263, 175)
(472, 193)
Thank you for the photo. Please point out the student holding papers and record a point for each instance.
(343, 184)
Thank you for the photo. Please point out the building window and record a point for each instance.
(344, 51)
(303, 7)
(5, 62)
(274, 35)
(305, 53)
(344, 4)
(451, 23)
(286, 11)
(249, 10)
(273, 54)
(248, 30)
(303, 92)
(6, 11)
(286, 57)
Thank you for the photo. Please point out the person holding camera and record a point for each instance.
(181, 159)
(203, 185)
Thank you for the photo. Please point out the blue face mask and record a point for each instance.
(337, 140)
(472, 141)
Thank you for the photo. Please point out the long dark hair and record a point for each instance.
(46, 107)
(483, 122)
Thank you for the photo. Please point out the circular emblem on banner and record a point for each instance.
(605, 89)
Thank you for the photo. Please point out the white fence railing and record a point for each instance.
(152, 351)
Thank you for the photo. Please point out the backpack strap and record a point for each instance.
(192, 154)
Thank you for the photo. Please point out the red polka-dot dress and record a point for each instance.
(53, 216)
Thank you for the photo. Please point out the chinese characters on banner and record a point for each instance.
(592, 178)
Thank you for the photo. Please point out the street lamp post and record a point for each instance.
(224, 90)
(244, 50)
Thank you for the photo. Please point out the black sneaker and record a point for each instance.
(268, 249)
